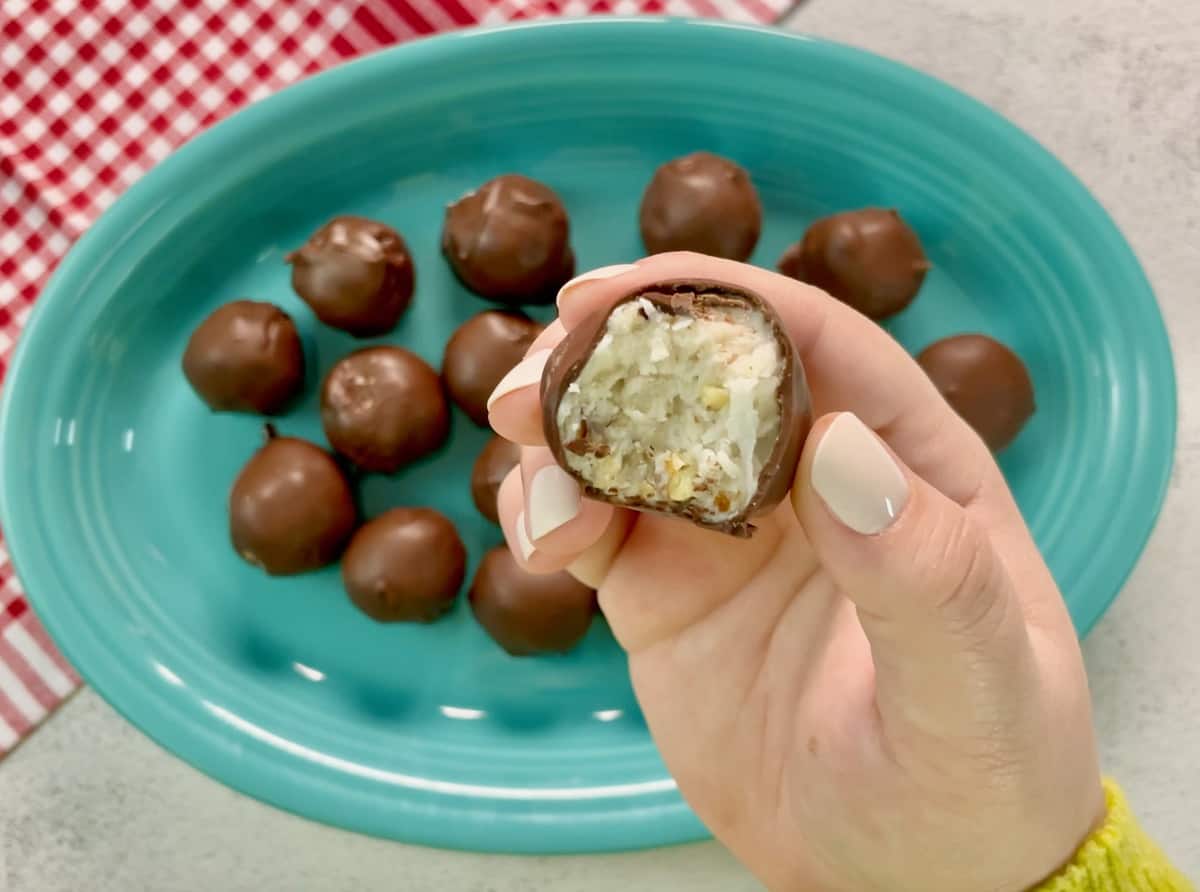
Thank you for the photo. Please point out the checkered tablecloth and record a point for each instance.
(94, 92)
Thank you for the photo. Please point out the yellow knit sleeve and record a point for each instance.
(1119, 857)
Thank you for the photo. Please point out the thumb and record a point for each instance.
(951, 651)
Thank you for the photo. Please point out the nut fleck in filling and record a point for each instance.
(677, 411)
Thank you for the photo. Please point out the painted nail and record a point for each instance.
(857, 478)
(527, 371)
(523, 542)
(553, 500)
(601, 272)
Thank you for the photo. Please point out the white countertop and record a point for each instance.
(1113, 87)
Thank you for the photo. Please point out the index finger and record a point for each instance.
(851, 363)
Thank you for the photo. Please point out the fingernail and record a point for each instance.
(553, 500)
(527, 371)
(857, 478)
(523, 542)
(601, 272)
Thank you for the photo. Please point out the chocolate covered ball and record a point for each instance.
(530, 614)
(481, 352)
(356, 274)
(870, 259)
(984, 382)
(245, 357)
(496, 459)
(508, 241)
(701, 202)
(383, 407)
(712, 436)
(291, 509)
(405, 565)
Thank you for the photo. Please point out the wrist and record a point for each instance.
(1100, 811)
(1116, 856)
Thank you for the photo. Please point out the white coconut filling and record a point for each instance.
(673, 411)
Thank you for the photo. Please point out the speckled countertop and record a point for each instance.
(1113, 87)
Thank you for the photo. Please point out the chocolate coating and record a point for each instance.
(356, 274)
(530, 614)
(290, 509)
(405, 565)
(496, 459)
(245, 357)
(683, 298)
(508, 240)
(482, 351)
(870, 259)
(984, 382)
(383, 407)
(701, 202)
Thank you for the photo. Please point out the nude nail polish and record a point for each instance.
(527, 371)
(857, 478)
(602, 272)
(523, 542)
(554, 499)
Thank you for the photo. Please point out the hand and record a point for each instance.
(880, 690)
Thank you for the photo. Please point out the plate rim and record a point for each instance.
(658, 823)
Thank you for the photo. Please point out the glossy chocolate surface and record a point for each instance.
(356, 275)
(701, 202)
(530, 614)
(870, 259)
(509, 241)
(985, 383)
(245, 357)
(405, 565)
(291, 509)
(383, 407)
(496, 459)
(481, 352)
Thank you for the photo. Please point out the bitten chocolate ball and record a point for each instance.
(870, 259)
(984, 382)
(356, 274)
(290, 509)
(383, 407)
(530, 614)
(701, 202)
(496, 459)
(405, 565)
(245, 357)
(508, 241)
(481, 352)
(686, 398)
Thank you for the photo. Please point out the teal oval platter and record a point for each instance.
(115, 475)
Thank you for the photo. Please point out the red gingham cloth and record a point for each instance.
(94, 92)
